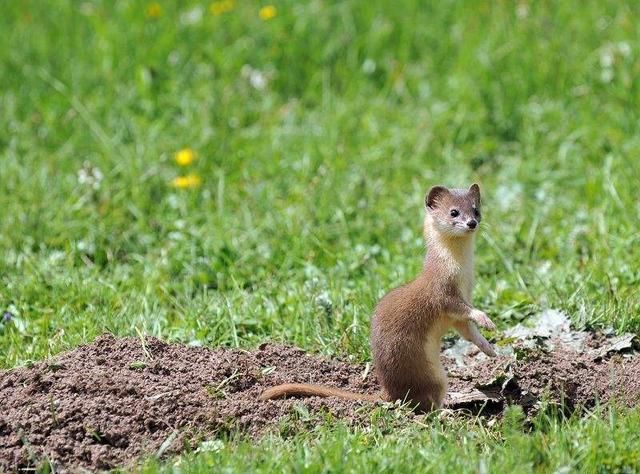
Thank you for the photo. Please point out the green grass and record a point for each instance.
(310, 206)
(604, 443)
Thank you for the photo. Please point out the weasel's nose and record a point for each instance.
(472, 224)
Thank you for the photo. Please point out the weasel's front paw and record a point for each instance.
(482, 320)
(487, 348)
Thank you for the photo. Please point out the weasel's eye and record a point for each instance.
(476, 212)
(454, 213)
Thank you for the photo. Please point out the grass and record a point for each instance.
(317, 133)
(605, 442)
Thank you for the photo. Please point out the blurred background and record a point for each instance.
(232, 172)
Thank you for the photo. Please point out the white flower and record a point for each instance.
(193, 16)
(606, 75)
(90, 175)
(324, 301)
(213, 445)
(369, 66)
(624, 49)
(256, 78)
(86, 246)
(522, 10)
(606, 58)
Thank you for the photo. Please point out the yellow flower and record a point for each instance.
(154, 10)
(268, 12)
(185, 182)
(223, 6)
(185, 157)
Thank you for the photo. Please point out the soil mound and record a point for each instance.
(105, 404)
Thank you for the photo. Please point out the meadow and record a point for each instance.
(233, 172)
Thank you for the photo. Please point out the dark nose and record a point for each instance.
(472, 224)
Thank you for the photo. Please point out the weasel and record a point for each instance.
(409, 321)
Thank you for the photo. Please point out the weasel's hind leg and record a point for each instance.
(429, 401)
(425, 397)
(407, 374)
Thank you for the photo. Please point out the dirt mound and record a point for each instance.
(105, 404)
(108, 402)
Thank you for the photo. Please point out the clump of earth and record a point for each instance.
(104, 404)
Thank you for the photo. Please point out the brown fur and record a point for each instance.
(409, 322)
(309, 390)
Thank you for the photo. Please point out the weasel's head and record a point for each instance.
(453, 212)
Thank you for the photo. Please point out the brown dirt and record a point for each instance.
(105, 404)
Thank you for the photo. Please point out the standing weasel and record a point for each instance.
(409, 321)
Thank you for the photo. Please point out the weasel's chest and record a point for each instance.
(458, 266)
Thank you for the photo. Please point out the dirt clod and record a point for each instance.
(107, 403)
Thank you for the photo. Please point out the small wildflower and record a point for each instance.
(90, 176)
(522, 10)
(323, 300)
(606, 58)
(369, 66)
(211, 446)
(185, 157)
(223, 6)
(154, 10)
(624, 49)
(268, 12)
(606, 75)
(7, 317)
(256, 78)
(185, 182)
(193, 16)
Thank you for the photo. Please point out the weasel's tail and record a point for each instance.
(308, 390)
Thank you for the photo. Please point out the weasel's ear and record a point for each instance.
(434, 195)
(475, 190)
